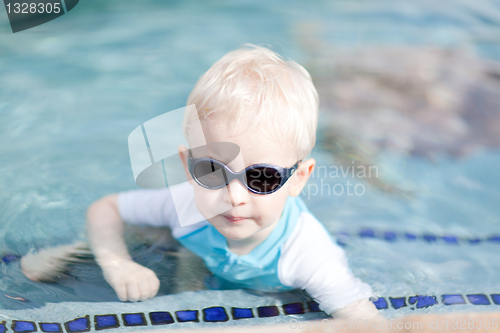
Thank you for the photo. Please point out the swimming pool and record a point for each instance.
(73, 89)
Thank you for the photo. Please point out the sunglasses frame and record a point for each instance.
(230, 175)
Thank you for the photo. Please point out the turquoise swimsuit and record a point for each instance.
(256, 270)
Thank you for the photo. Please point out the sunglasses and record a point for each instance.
(257, 178)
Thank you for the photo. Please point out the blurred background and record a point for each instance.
(410, 87)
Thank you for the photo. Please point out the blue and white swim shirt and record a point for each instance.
(298, 254)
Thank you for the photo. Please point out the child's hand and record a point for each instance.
(363, 309)
(131, 281)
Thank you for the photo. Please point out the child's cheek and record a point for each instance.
(272, 205)
(210, 203)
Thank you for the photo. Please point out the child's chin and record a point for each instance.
(237, 238)
(235, 235)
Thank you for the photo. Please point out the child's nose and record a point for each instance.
(237, 193)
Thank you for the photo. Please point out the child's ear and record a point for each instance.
(183, 154)
(301, 176)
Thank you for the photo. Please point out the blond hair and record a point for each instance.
(255, 86)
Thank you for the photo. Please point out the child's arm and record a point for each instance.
(311, 261)
(131, 281)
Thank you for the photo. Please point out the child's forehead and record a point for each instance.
(222, 151)
(244, 155)
(220, 140)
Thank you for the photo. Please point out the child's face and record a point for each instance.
(233, 210)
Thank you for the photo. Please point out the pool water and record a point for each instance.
(73, 89)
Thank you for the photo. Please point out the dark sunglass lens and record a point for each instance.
(263, 179)
(209, 174)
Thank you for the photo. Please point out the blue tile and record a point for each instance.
(215, 314)
(479, 299)
(397, 302)
(429, 238)
(494, 238)
(187, 315)
(3, 329)
(268, 311)
(474, 240)
(160, 318)
(50, 327)
(23, 326)
(453, 299)
(410, 236)
(134, 319)
(313, 306)
(78, 325)
(341, 243)
(8, 258)
(495, 298)
(293, 308)
(450, 239)
(342, 238)
(422, 301)
(240, 313)
(367, 233)
(103, 322)
(381, 303)
(390, 236)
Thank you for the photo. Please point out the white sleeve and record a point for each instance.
(311, 261)
(158, 208)
(147, 207)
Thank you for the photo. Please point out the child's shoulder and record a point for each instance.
(310, 251)
(308, 232)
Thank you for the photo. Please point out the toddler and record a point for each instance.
(246, 165)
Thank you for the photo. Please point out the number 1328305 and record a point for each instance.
(33, 7)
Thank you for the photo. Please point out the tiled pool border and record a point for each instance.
(408, 236)
(218, 314)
